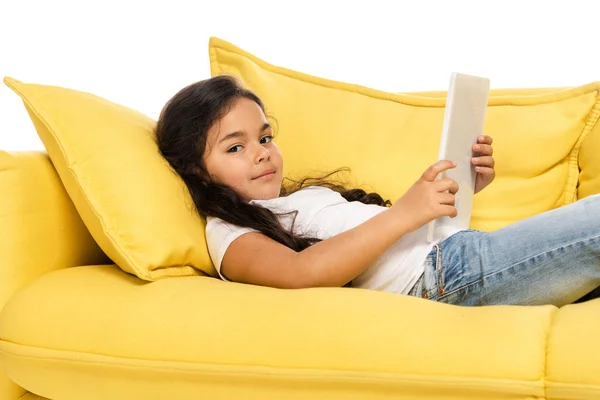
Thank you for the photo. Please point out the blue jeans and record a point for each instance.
(550, 258)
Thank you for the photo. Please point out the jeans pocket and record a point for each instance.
(439, 269)
(431, 277)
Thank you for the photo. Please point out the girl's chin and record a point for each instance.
(266, 194)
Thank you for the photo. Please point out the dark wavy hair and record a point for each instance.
(181, 133)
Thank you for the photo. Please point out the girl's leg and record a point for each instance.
(550, 258)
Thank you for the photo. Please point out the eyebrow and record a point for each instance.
(235, 134)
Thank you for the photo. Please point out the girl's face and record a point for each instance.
(240, 153)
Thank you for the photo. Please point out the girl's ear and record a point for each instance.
(201, 173)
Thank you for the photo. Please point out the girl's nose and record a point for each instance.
(263, 155)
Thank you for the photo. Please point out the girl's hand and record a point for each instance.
(428, 198)
(484, 162)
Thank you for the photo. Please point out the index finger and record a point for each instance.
(432, 172)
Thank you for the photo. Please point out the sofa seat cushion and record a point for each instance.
(573, 366)
(96, 332)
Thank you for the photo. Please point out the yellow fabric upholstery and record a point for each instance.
(97, 332)
(40, 231)
(134, 205)
(589, 159)
(160, 340)
(31, 396)
(390, 139)
(572, 343)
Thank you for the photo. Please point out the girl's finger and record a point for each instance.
(483, 149)
(485, 170)
(485, 139)
(486, 161)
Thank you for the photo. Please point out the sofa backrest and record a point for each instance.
(589, 161)
(389, 139)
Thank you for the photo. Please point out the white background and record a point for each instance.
(139, 54)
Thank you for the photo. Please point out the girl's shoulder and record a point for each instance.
(216, 224)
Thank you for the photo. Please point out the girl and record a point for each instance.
(312, 233)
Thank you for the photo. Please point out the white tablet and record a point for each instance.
(463, 123)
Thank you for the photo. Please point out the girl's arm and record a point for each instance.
(254, 258)
(257, 259)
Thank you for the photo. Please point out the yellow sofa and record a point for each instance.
(74, 325)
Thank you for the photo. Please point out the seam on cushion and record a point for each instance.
(569, 193)
(399, 97)
(212, 56)
(27, 394)
(84, 195)
(590, 122)
(547, 349)
(553, 385)
(275, 371)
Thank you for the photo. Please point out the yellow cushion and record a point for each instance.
(134, 205)
(40, 230)
(159, 340)
(572, 367)
(589, 161)
(388, 139)
(31, 396)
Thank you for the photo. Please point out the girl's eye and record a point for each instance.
(237, 148)
(268, 139)
(232, 149)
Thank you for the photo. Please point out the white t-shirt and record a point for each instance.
(323, 213)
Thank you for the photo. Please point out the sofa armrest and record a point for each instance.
(41, 229)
